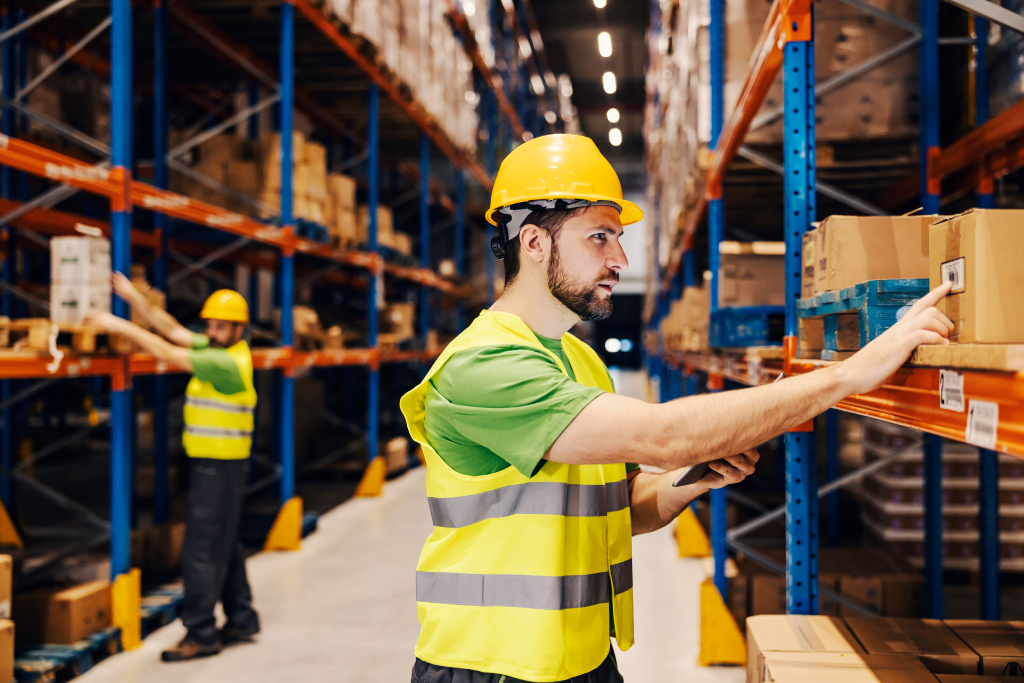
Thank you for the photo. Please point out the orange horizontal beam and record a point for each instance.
(20, 365)
(61, 223)
(994, 134)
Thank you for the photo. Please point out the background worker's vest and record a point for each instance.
(517, 575)
(220, 425)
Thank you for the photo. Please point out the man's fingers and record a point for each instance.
(932, 297)
(941, 317)
(741, 462)
(728, 472)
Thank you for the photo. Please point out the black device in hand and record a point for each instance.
(692, 474)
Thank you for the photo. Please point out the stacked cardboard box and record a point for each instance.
(342, 221)
(686, 326)
(79, 276)
(386, 235)
(397, 319)
(752, 274)
(62, 616)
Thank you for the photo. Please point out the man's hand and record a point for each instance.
(923, 324)
(107, 321)
(730, 470)
(124, 288)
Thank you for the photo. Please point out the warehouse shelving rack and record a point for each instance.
(114, 181)
(909, 398)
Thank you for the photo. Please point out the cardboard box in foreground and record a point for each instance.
(999, 643)
(63, 617)
(941, 650)
(6, 651)
(855, 249)
(981, 252)
(789, 633)
(839, 667)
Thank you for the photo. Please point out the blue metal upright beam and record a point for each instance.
(425, 260)
(372, 200)
(928, 11)
(988, 532)
(934, 602)
(986, 200)
(460, 242)
(286, 433)
(120, 224)
(799, 209)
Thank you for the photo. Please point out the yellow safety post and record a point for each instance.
(690, 536)
(372, 484)
(8, 534)
(126, 608)
(721, 641)
(286, 534)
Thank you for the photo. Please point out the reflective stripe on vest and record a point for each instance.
(221, 425)
(517, 575)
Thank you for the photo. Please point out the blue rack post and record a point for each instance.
(985, 200)
(934, 603)
(161, 387)
(286, 396)
(988, 532)
(120, 224)
(460, 243)
(928, 15)
(799, 206)
(372, 200)
(425, 292)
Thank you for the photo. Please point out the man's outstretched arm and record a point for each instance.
(151, 343)
(162, 321)
(712, 426)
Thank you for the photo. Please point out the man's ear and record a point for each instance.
(534, 243)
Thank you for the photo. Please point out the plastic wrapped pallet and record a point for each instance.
(80, 277)
(366, 21)
(342, 10)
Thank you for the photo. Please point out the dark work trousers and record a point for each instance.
(212, 558)
(422, 672)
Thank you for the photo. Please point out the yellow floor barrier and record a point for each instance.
(126, 608)
(690, 536)
(286, 534)
(721, 642)
(8, 534)
(372, 484)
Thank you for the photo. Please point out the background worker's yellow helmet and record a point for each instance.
(553, 172)
(225, 304)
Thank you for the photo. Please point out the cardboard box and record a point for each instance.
(982, 252)
(384, 223)
(838, 667)
(1000, 644)
(79, 259)
(269, 147)
(396, 454)
(938, 648)
(770, 634)
(342, 189)
(164, 545)
(244, 177)
(398, 319)
(64, 616)
(855, 249)
(6, 578)
(808, 259)
(71, 302)
(6, 651)
(752, 274)
(346, 227)
(975, 678)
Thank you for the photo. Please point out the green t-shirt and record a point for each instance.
(215, 366)
(494, 406)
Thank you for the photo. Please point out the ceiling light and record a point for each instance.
(551, 117)
(615, 137)
(613, 115)
(527, 136)
(565, 85)
(612, 345)
(609, 82)
(524, 47)
(538, 84)
(604, 44)
(469, 7)
(599, 4)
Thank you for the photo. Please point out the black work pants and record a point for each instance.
(213, 560)
(423, 672)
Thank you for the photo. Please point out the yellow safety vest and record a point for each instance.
(514, 579)
(220, 425)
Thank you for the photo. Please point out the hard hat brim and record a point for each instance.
(631, 213)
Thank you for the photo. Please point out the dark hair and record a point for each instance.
(548, 220)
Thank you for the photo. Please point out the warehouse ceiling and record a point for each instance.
(570, 31)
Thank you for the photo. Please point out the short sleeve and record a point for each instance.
(512, 400)
(200, 341)
(217, 367)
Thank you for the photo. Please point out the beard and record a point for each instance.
(582, 298)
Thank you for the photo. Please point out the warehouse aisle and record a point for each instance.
(343, 608)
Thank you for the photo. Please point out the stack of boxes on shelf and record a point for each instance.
(685, 328)
(414, 41)
(79, 277)
(387, 236)
(341, 203)
(893, 500)
(396, 325)
(805, 649)
(309, 176)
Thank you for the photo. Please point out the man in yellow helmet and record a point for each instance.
(219, 417)
(533, 482)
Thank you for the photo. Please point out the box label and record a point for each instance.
(951, 390)
(982, 422)
(954, 271)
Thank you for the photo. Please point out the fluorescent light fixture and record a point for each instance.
(609, 82)
(612, 345)
(524, 47)
(565, 85)
(599, 4)
(527, 136)
(613, 115)
(627, 346)
(538, 84)
(537, 42)
(469, 7)
(549, 79)
(507, 4)
(604, 44)
(615, 137)
(551, 117)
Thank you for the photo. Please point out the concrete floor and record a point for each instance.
(343, 609)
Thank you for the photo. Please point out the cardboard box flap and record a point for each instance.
(907, 636)
(798, 633)
(835, 667)
(991, 638)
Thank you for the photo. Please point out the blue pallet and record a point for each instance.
(312, 231)
(747, 326)
(161, 607)
(878, 304)
(43, 663)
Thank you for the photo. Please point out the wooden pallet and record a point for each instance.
(161, 607)
(1006, 357)
(33, 334)
(46, 663)
(747, 326)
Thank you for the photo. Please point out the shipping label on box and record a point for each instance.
(79, 259)
(981, 252)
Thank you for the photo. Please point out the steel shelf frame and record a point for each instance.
(911, 396)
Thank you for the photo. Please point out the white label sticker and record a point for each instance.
(951, 390)
(954, 271)
(982, 421)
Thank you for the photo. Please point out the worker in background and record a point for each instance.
(219, 404)
(533, 479)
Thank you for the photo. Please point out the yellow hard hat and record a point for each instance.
(553, 171)
(226, 304)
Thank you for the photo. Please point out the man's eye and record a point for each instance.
(601, 236)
